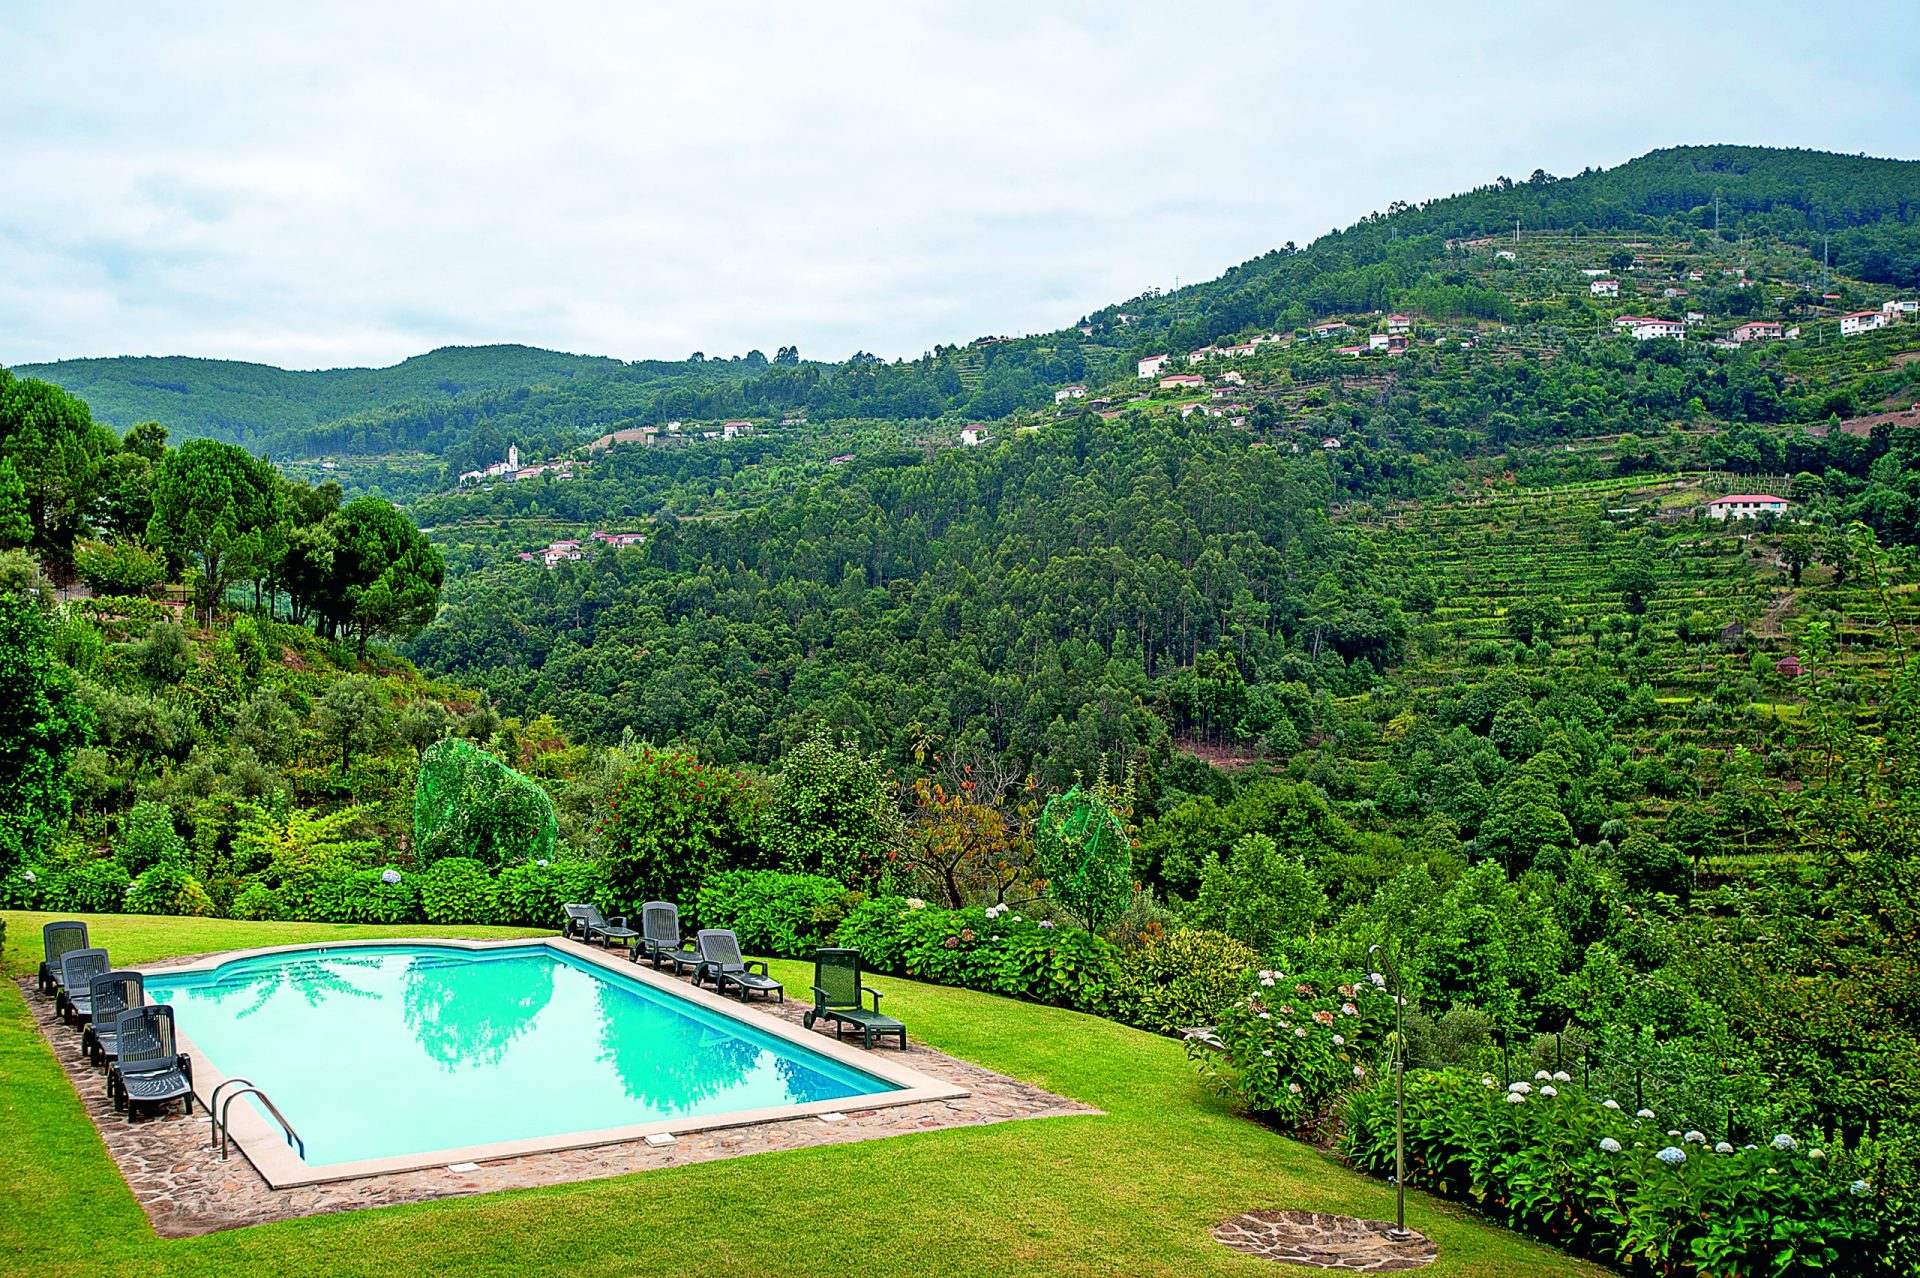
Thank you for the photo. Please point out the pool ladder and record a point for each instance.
(218, 1109)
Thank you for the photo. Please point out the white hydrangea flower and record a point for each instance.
(1672, 1155)
(1643, 1113)
(1609, 1145)
(1814, 1153)
(1722, 1147)
(1339, 1041)
(1520, 1089)
(1549, 1090)
(1488, 1081)
(1515, 1098)
(1561, 1076)
(1698, 1138)
(1266, 1051)
(1266, 1016)
(1609, 1103)
(1300, 1031)
(1860, 1188)
(1785, 1143)
(1379, 981)
(1266, 980)
(1541, 1076)
(1294, 1088)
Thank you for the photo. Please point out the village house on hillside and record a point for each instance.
(1066, 393)
(1200, 356)
(1604, 288)
(1899, 308)
(1242, 350)
(1645, 328)
(1174, 381)
(1746, 506)
(1757, 331)
(1862, 322)
(1330, 328)
(1399, 324)
(1151, 365)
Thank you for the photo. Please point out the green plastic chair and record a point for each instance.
(838, 995)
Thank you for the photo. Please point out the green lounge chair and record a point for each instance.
(720, 959)
(60, 938)
(837, 995)
(74, 1004)
(591, 926)
(114, 993)
(660, 939)
(151, 1070)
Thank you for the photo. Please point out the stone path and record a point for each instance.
(1320, 1240)
(175, 1173)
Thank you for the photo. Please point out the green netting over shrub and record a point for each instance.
(467, 803)
(1082, 850)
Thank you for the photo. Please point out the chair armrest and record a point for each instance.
(868, 989)
(756, 963)
(618, 920)
(185, 1062)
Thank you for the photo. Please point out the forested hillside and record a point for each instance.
(459, 404)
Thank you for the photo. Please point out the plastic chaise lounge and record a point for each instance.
(77, 970)
(114, 993)
(151, 1070)
(837, 994)
(720, 959)
(60, 938)
(660, 939)
(587, 920)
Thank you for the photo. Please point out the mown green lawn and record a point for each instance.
(1131, 1192)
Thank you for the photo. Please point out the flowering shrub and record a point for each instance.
(996, 949)
(1183, 978)
(1544, 1157)
(1287, 1046)
(89, 887)
(673, 822)
(786, 915)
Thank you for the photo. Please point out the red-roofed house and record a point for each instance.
(1862, 322)
(1176, 381)
(1757, 331)
(1399, 324)
(1330, 328)
(1201, 356)
(1066, 393)
(1746, 506)
(1152, 364)
(1241, 351)
(1604, 288)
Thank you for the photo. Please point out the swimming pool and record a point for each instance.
(394, 1056)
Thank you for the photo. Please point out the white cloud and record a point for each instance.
(347, 184)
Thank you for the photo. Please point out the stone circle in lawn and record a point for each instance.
(1321, 1240)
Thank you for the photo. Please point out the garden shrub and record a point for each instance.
(168, 887)
(832, 813)
(1545, 1157)
(992, 949)
(148, 838)
(531, 893)
(257, 901)
(90, 887)
(371, 899)
(457, 889)
(1288, 1046)
(466, 803)
(674, 822)
(1185, 978)
(785, 915)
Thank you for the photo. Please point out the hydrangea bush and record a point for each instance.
(1290, 1045)
(1543, 1156)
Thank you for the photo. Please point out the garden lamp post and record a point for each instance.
(1378, 957)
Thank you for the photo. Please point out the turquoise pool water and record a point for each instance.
(408, 1049)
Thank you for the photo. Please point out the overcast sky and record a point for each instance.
(334, 184)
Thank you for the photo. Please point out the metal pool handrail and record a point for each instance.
(220, 1120)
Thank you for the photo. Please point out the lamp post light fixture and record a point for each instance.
(1377, 957)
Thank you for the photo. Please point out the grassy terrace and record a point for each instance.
(1133, 1192)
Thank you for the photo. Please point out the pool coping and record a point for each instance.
(267, 1148)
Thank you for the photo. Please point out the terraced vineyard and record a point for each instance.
(1722, 612)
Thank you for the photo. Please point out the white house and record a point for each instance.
(1507, 255)
(1181, 381)
(1399, 324)
(1862, 322)
(1594, 272)
(1900, 308)
(1647, 329)
(972, 437)
(1330, 328)
(1200, 356)
(1604, 288)
(1240, 351)
(1232, 375)
(1378, 341)
(1746, 506)
(1066, 393)
(1152, 364)
(1757, 331)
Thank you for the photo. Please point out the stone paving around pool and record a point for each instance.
(176, 1175)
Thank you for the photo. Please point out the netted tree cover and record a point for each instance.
(468, 803)
(1082, 851)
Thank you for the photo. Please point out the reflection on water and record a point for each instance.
(455, 1023)
(669, 1064)
(315, 980)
